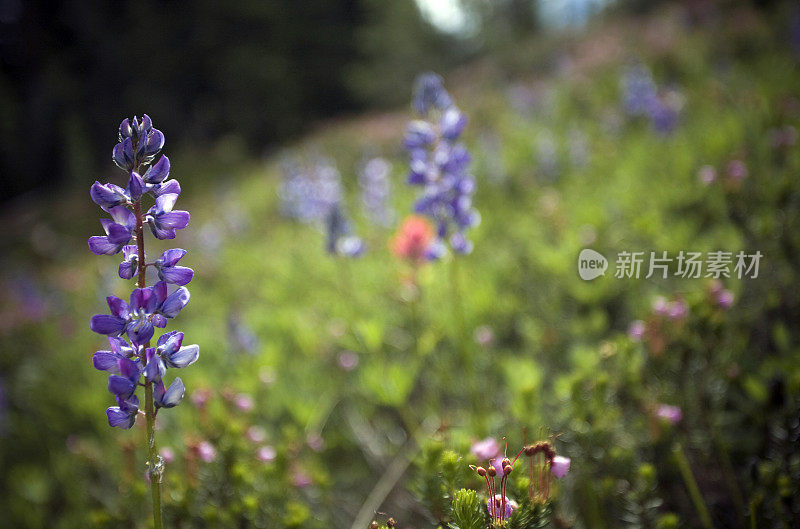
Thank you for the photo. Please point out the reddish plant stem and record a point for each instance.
(154, 470)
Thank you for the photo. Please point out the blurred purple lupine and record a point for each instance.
(641, 97)
(133, 362)
(315, 196)
(439, 163)
(376, 189)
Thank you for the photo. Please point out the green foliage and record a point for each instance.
(530, 515)
(468, 511)
(557, 352)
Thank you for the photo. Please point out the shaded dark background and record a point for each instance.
(261, 70)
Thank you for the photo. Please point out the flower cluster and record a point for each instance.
(642, 97)
(734, 174)
(439, 164)
(133, 362)
(315, 195)
(542, 462)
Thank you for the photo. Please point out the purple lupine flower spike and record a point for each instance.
(131, 361)
(439, 164)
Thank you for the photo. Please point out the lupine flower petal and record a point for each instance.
(164, 203)
(419, 134)
(175, 302)
(140, 331)
(108, 195)
(160, 290)
(105, 324)
(170, 397)
(135, 186)
(145, 299)
(129, 369)
(159, 321)
(129, 267)
(100, 245)
(146, 124)
(119, 418)
(174, 219)
(179, 275)
(106, 361)
(158, 172)
(154, 143)
(183, 357)
(123, 216)
(452, 123)
(170, 187)
(123, 154)
(121, 386)
(125, 130)
(118, 235)
(155, 368)
(169, 342)
(171, 257)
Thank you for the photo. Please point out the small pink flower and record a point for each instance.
(206, 451)
(560, 466)
(715, 287)
(725, 299)
(200, 397)
(707, 174)
(673, 414)
(167, 454)
(348, 360)
(256, 434)
(736, 170)
(315, 442)
(678, 310)
(300, 479)
(497, 463)
(636, 330)
(485, 449)
(510, 506)
(484, 336)
(266, 454)
(243, 402)
(660, 306)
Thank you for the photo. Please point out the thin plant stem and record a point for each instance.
(691, 485)
(462, 338)
(154, 466)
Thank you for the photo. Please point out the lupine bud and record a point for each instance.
(158, 172)
(135, 186)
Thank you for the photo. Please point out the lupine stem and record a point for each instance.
(154, 470)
